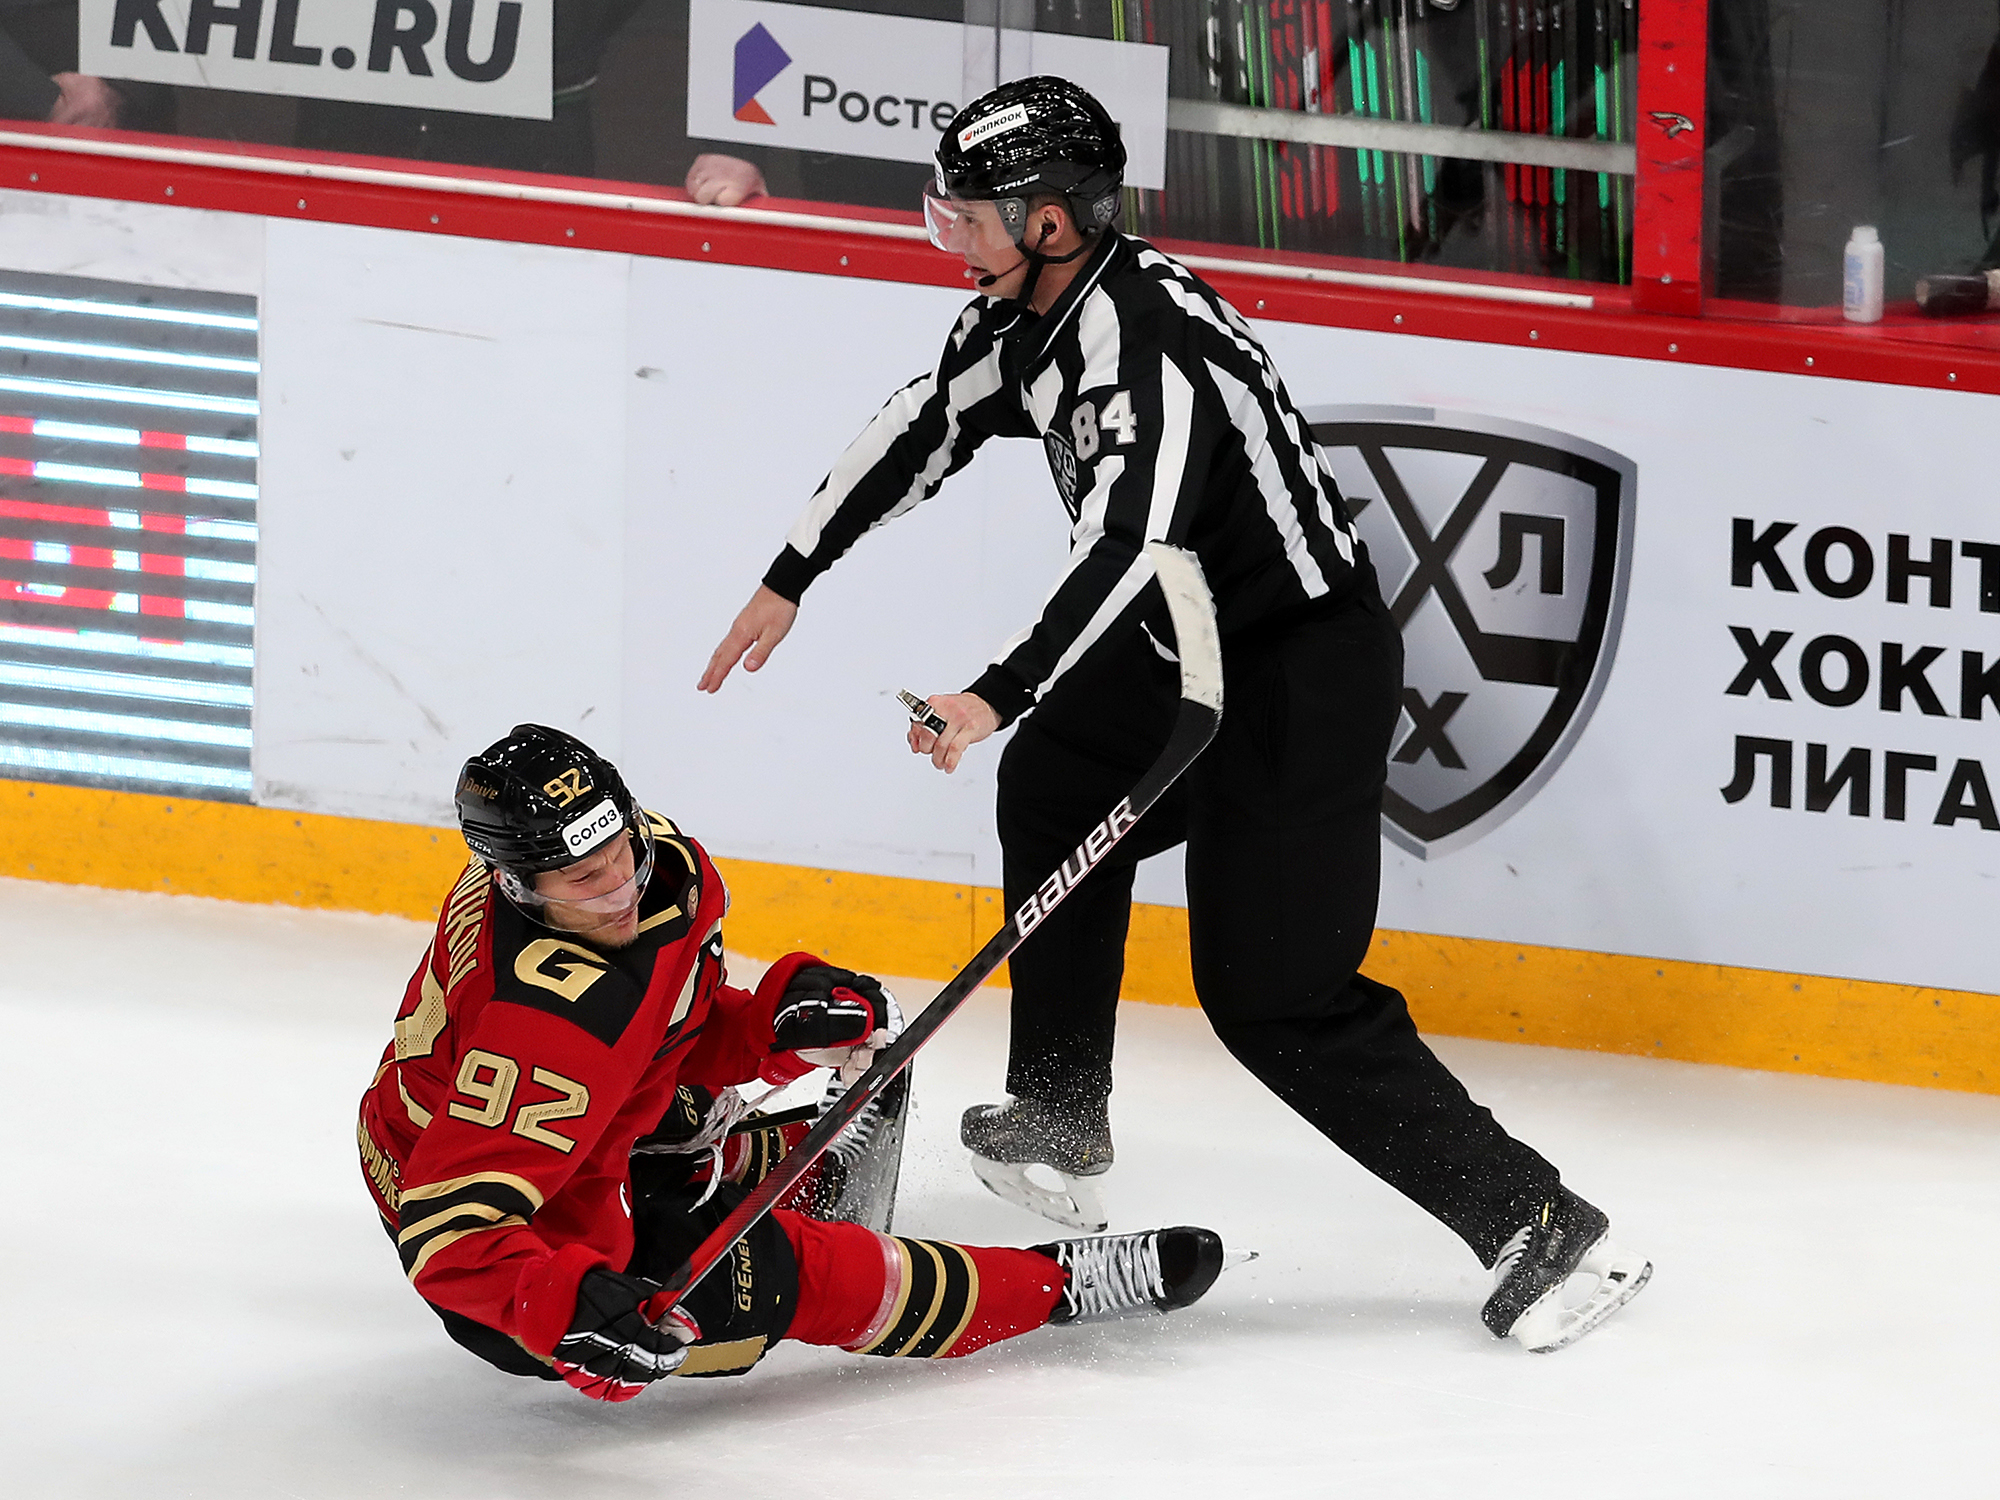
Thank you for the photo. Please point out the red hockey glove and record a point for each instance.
(835, 1018)
(611, 1351)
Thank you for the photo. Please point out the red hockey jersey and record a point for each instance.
(497, 1131)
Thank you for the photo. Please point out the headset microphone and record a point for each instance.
(1036, 259)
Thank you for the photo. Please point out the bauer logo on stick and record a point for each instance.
(1095, 846)
(1505, 552)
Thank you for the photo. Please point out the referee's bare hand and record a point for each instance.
(968, 719)
(764, 622)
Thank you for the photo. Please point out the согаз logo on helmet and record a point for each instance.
(759, 59)
(592, 827)
(1504, 551)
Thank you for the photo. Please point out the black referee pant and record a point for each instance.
(1281, 817)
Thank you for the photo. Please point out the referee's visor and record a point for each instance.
(941, 217)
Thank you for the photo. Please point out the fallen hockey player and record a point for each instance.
(554, 1127)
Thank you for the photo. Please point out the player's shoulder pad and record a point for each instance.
(555, 973)
(685, 884)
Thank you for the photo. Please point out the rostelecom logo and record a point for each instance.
(759, 59)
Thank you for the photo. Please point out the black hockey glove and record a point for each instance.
(611, 1352)
(835, 1018)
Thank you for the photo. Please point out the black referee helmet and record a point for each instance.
(1034, 137)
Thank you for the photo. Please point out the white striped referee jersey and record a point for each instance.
(1163, 420)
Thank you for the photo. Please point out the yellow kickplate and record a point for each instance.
(1556, 997)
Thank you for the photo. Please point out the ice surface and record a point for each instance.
(196, 1299)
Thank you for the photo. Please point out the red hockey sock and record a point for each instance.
(922, 1299)
(841, 1272)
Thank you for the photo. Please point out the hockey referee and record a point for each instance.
(1164, 420)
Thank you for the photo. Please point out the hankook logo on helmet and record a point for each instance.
(1505, 553)
(1013, 117)
(585, 833)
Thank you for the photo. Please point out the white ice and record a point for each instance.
(196, 1299)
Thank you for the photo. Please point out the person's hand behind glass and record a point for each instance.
(724, 181)
(85, 101)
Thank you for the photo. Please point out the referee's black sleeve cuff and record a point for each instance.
(790, 575)
(1004, 693)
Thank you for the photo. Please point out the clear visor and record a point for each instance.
(941, 217)
(612, 902)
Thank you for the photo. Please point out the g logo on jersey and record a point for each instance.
(1505, 552)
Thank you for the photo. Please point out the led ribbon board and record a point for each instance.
(128, 535)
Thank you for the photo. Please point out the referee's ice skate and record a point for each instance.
(1070, 1144)
(1564, 1238)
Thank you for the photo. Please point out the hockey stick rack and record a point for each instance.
(1200, 652)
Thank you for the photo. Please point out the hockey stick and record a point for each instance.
(1200, 653)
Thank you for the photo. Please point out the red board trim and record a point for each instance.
(1893, 352)
(1672, 136)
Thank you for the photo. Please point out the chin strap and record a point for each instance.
(1034, 260)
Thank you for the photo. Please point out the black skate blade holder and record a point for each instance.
(1199, 648)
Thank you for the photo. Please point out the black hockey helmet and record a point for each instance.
(1032, 137)
(541, 799)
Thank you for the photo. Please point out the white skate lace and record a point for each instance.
(1511, 1252)
(724, 1112)
(852, 1143)
(728, 1108)
(1114, 1274)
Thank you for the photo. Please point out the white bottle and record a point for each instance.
(1861, 283)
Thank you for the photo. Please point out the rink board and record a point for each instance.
(506, 482)
(1510, 992)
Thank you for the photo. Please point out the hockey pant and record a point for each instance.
(815, 1282)
(1281, 818)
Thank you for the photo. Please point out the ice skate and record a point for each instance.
(1118, 1275)
(1070, 1145)
(856, 1179)
(1565, 1238)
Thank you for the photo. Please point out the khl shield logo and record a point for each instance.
(759, 59)
(1505, 552)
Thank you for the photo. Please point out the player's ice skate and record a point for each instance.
(1118, 1275)
(1042, 1157)
(1532, 1300)
(856, 1179)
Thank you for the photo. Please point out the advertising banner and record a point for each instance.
(482, 57)
(1702, 663)
(854, 84)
